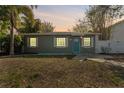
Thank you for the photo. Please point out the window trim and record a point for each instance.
(29, 42)
(91, 42)
(55, 42)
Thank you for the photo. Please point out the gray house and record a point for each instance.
(116, 42)
(59, 43)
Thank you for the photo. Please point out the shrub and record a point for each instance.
(5, 43)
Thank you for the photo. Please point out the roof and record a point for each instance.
(119, 22)
(61, 33)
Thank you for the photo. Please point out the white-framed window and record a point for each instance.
(32, 42)
(87, 42)
(60, 42)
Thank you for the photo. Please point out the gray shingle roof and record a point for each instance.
(61, 33)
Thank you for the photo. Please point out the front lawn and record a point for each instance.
(58, 72)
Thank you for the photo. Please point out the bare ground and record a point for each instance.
(58, 72)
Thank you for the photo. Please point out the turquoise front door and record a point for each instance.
(76, 46)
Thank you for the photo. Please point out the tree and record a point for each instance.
(36, 26)
(13, 14)
(4, 26)
(27, 25)
(82, 26)
(46, 27)
(5, 43)
(102, 16)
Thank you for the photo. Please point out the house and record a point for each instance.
(116, 42)
(59, 43)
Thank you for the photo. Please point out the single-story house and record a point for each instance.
(116, 42)
(59, 43)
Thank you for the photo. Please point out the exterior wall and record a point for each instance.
(46, 45)
(117, 38)
(116, 42)
(102, 46)
(89, 50)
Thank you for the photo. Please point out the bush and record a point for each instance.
(5, 44)
(105, 50)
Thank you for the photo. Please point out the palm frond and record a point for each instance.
(26, 11)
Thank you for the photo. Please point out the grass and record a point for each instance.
(58, 72)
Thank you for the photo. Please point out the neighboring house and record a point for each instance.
(116, 42)
(59, 43)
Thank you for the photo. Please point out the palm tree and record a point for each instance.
(47, 27)
(36, 26)
(26, 25)
(14, 14)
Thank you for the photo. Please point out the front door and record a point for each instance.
(76, 46)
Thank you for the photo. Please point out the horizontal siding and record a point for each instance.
(116, 42)
(46, 46)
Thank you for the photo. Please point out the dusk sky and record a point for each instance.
(63, 17)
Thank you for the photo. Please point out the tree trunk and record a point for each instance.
(12, 35)
(12, 41)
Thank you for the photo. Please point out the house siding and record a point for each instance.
(116, 42)
(87, 50)
(117, 38)
(46, 45)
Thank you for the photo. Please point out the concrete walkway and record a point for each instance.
(108, 61)
(99, 58)
(84, 56)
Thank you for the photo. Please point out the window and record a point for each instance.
(87, 42)
(33, 42)
(61, 42)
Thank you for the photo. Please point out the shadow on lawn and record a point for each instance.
(38, 56)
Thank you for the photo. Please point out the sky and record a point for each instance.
(63, 17)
